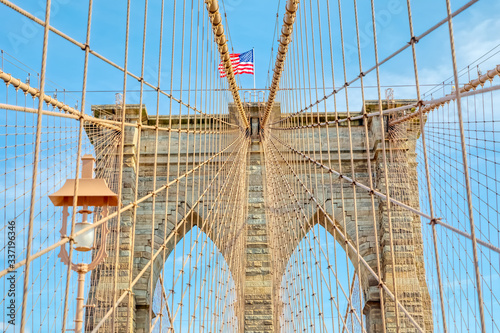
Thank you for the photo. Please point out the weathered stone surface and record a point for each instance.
(258, 285)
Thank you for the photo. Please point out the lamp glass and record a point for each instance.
(85, 241)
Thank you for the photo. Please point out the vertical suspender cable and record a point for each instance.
(120, 169)
(35, 166)
(466, 173)
(427, 172)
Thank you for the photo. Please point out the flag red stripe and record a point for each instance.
(238, 67)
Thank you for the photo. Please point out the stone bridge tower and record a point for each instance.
(257, 291)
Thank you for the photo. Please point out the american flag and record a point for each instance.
(242, 63)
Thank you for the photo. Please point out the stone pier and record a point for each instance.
(258, 284)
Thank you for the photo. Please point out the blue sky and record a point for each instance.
(250, 25)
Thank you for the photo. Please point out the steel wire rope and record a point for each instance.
(466, 173)
(65, 240)
(392, 200)
(346, 84)
(162, 247)
(167, 296)
(353, 174)
(351, 246)
(327, 133)
(35, 167)
(369, 168)
(316, 238)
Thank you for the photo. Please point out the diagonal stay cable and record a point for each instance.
(362, 74)
(94, 53)
(351, 246)
(383, 196)
(173, 233)
(304, 230)
(66, 239)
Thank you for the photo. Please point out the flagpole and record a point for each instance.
(253, 56)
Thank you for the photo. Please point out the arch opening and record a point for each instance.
(195, 289)
(320, 288)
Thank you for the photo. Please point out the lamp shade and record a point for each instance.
(85, 241)
(91, 192)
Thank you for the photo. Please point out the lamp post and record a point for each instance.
(91, 192)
